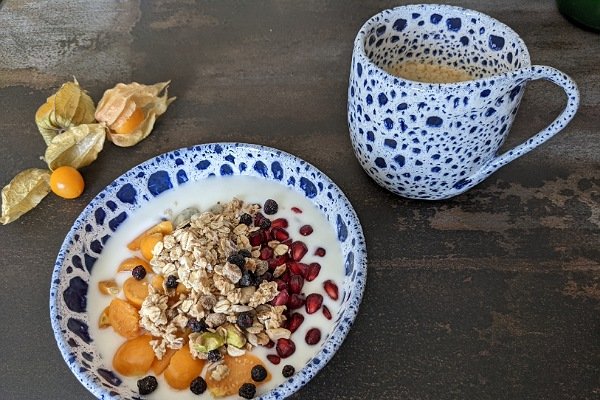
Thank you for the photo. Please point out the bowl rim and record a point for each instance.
(340, 330)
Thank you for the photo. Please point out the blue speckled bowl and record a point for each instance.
(132, 190)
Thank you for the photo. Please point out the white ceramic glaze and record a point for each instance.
(434, 141)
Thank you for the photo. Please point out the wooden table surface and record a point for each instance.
(494, 294)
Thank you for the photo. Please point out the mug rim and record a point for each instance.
(359, 44)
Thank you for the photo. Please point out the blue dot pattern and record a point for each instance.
(129, 192)
(432, 141)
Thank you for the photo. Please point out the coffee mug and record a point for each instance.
(437, 139)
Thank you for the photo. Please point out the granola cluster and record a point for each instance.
(212, 289)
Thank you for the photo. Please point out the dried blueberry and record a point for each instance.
(288, 371)
(247, 279)
(245, 253)
(247, 391)
(147, 385)
(265, 223)
(245, 320)
(270, 207)
(171, 282)
(197, 325)
(246, 219)
(237, 259)
(258, 373)
(198, 385)
(214, 355)
(139, 272)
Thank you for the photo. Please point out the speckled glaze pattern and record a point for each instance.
(132, 190)
(435, 141)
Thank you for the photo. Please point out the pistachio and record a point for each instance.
(235, 337)
(208, 341)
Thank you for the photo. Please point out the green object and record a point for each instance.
(234, 337)
(584, 12)
(209, 341)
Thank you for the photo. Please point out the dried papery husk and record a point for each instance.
(24, 192)
(78, 146)
(130, 111)
(69, 106)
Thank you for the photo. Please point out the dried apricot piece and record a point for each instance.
(104, 320)
(132, 262)
(108, 287)
(182, 369)
(239, 373)
(124, 318)
(147, 244)
(135, 291)
(134, 357)
(157, 283)
(158, 366)
(164, 227)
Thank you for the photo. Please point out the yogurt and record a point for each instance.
(203, 195)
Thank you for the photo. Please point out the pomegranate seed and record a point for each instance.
(331, 289)
(296, 210)
(295, 321)
(277, 261)
(326, 312)
(258, 217)
(286, 277)
(266, 253)
(296, 301)
(298, 250)
(281, 285)
(320, 252)
(297, 268)
(313, 303)
(306, 230)
(312, 271)
(274, 359)
(287, 242)
(267, 236)
(279, 223)
(280, 234)
(285, 348)
(313, 336)
(296, 283)
(270, 344)
(281, 299)
(256, 238)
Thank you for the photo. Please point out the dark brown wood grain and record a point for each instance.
(494, 294)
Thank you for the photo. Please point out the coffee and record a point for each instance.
(422, 72)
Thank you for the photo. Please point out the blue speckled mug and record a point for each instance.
(436, 140)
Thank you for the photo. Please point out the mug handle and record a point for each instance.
(521, 76)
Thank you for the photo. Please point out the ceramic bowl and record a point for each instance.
(167, 172)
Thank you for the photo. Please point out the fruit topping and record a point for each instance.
(214, 355)
(246, 219)
(331, 289)
(258, 373)
(196, 325)
(312, 271)
(313, 336)
(147, 385)
(270, 207)
(285, 347)
(237, 259)
(245, 320)
(288, 371)
(320, 252)
(326, 312)
(306, 230)
(295, 321)
(298, 250)
(313, 302)
(198, 385)
(171, 282)
(134, 357)
(247, 391)
(138, 272)
(274, 359)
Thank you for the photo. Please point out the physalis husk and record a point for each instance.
(69, 106)
(23, 193)
(77, 147)
(129, 111)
